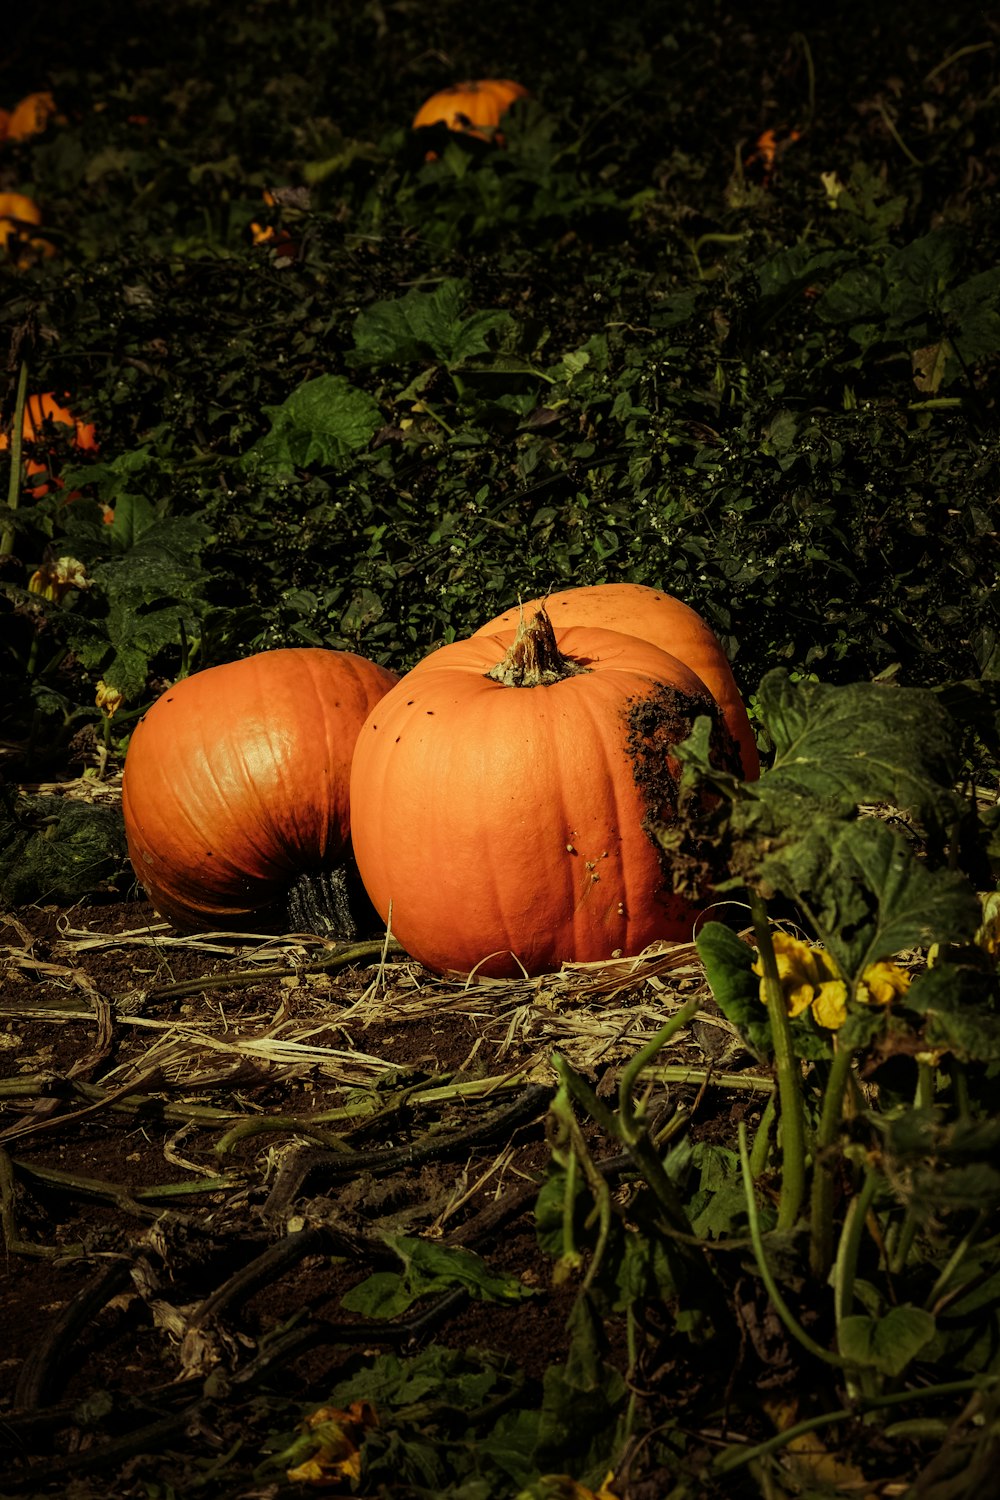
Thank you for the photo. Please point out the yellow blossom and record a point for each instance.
(811, 981)
(53, 580)
(108, 698)
(882, 982)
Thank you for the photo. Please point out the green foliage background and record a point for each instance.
(617, 349)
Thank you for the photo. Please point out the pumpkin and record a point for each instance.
(39, 410)
(505, 796)
(17, 214)
(278, 241)
(474, 107)
(30, 116)
(638, 610)
(236, 781)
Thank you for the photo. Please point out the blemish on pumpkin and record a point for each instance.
(654, 724)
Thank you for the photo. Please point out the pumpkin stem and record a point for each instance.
(533, 659)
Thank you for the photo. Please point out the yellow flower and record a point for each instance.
(882, 982)
(830, 1005)
(811, 981)
(54, 580)
(108, 698)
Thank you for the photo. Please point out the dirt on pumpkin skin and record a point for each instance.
(207, 1138)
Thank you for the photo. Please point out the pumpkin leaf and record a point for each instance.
(886, 1344)
(798, 831)
(860, 743)
(422, 326)
(324, 421)
(867, 894)
(58, 849)
(735, 987)
(427, 1269)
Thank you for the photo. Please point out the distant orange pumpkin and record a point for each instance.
(38, 410)
(30, 116)
(474, 107)
(17, 214)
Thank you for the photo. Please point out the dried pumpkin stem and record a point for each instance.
(533, 658)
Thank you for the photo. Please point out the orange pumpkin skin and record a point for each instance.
(637, 610)
(30, 116)
(474, 107)
(237, 781)
(500, 829)
(46, 408)
(17, 212)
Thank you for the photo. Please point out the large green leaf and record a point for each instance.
(867, 893)
(860, 743)
(423, 326)
(886, 1344)
(324, 421)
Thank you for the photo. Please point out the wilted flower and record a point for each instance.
(53, 580)
(810, 980)
(108, 699)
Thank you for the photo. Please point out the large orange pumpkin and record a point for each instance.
(635, 609)
(505, 793)
(39, 410)
(237, 781)
(474, 107)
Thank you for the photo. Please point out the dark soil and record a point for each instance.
(120, 1308)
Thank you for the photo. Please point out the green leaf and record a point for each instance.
(58, 849)
(324, 421)
(867, 893)
(422, 326)
(860, 743)
(886, 1344)
(728, 964)
(429, 1268)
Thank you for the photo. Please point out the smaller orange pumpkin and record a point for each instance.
(474, 107)
(38, 411)
(237, 781)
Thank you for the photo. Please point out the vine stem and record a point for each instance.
(845, 1271)
(821, 1200)
(792, 1122)
(16, 441)
(735, 1458)
(773, 1291)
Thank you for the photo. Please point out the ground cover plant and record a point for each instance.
(719, 314)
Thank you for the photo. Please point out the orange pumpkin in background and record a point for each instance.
(30, 116)
(506, 794)
(39, 410)
(637, 610)
(474, 107)
(18, 215)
